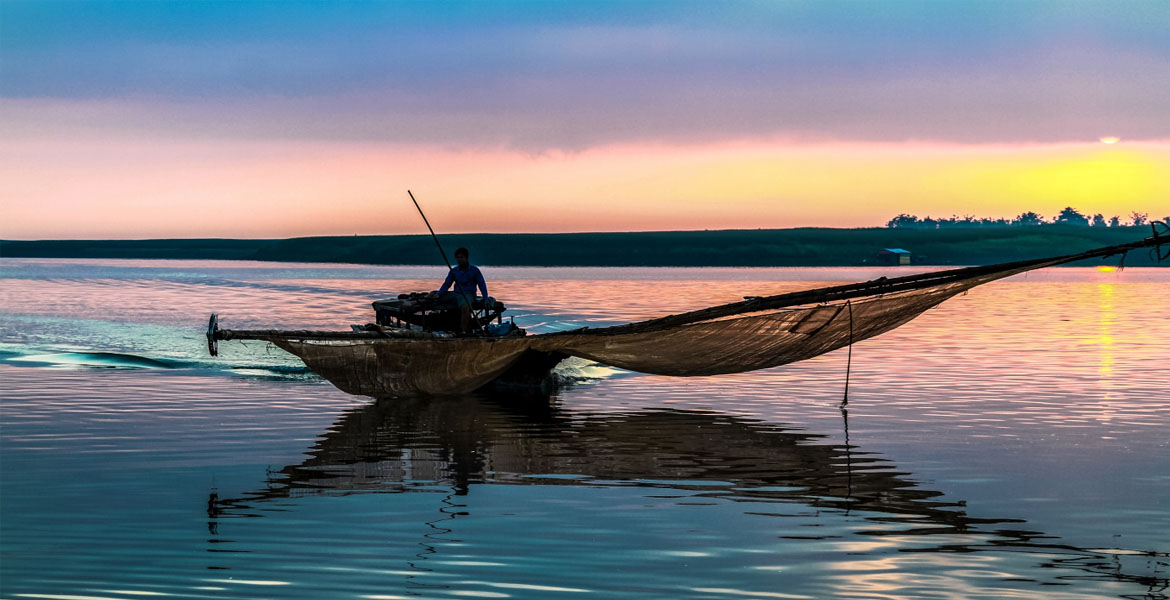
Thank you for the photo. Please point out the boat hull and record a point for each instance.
(399, 367)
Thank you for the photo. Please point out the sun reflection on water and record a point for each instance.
(1106, 346)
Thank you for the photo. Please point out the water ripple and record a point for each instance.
(1010, 443)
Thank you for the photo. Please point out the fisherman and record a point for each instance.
(466, 278)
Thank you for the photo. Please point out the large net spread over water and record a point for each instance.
(755, 340)
(757, 333)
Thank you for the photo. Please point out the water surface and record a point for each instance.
(1010, 443)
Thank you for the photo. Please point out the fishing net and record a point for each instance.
(754, 334)
(757, 333)
(756, 340)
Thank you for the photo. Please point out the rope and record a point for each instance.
(849, 359)
(848, 461)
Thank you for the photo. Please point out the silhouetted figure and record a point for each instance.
(466, 278)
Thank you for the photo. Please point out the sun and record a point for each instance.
(1110, 140)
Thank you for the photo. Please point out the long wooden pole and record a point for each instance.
(430, 229)
(450, 269)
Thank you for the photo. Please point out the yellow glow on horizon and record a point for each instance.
(1110, 140)
(1093, 181)
(106, 187)
(1106, 268)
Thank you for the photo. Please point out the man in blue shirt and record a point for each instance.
(466, 278)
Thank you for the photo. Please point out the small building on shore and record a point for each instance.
(893, 256)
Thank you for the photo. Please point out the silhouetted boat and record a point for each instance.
(756, 333)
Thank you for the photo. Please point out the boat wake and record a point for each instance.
(580, 370)
(123, 361)
(107, 360)
(573, 371)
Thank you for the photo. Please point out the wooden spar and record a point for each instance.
(858, 290)
(306, 334)
(301, 334)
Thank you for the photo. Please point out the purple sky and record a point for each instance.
(541, 76)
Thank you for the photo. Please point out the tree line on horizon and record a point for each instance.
(1068, 216)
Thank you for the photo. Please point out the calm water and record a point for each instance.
(1012, 443)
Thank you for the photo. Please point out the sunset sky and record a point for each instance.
(275, 119)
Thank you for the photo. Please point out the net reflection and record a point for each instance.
(418, 445)
(398, 444)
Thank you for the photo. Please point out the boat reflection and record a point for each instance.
(459, 443)
(393, 445)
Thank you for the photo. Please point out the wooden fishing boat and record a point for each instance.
(405, 353)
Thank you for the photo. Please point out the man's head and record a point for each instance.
(461, 256)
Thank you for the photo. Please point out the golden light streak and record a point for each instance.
(1105, 326)
(1106, 343)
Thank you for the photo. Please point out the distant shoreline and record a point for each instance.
(811, 247)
